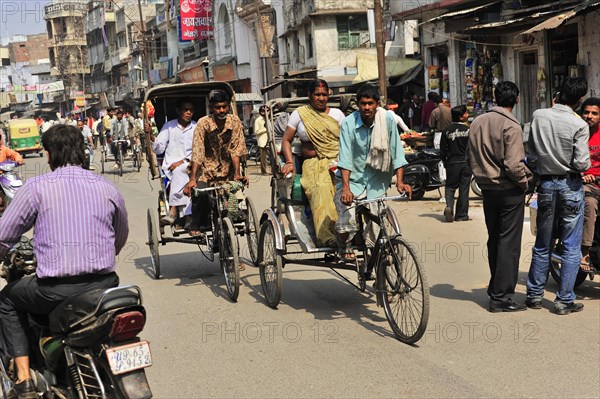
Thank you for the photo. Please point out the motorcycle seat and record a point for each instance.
(432, 151)
(76, 310)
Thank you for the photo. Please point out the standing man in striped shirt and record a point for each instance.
(80, 225)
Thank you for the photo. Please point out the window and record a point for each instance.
(353, 31)
(309, 42)
(224, 21)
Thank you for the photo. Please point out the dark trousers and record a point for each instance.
(201, 206)
(39, 297)
(458, 176)
(114, 149)
(504, 214)
(263, 159)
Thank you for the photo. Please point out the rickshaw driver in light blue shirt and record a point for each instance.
(355, 142)
(365, 180)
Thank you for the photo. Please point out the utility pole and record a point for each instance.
(150, 155)
(380, 49)
(144, 44)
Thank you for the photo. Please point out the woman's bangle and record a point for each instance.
(289, 163)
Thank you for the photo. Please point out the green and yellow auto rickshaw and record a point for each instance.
(24, 136)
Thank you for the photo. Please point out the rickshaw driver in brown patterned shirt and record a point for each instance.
(217, 148)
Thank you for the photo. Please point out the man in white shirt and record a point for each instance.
(175, 141)
(260, 130)
(87, 139)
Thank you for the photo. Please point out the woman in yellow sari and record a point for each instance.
(318, 128)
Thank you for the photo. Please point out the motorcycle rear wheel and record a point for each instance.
(556, 264)
(418, 191)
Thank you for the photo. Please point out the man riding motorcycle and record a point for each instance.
(80, 225)
(6, 154)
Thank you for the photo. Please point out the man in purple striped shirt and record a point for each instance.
(80, 225)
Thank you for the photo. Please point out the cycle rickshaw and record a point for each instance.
(233, 213)
(136, 154)
(287, 236)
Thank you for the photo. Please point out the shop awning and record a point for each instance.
(394, 67)
(558, 20)
(302, 72)
(461, 12)
(501, 24)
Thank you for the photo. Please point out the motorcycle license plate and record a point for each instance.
(123, 359)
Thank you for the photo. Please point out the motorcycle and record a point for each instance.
(556, 248)
(88, 347)
(10, 181)
(422, 172)
(475, 188)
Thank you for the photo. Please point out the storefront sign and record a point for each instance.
(80, 101)
(195, 74)
(196, 20)
(225, 72)
(266, 35)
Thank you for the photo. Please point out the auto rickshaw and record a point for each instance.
(24, 136)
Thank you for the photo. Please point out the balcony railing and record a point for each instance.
(69, 40)
(56, 10)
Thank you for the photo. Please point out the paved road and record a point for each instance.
(328, 340)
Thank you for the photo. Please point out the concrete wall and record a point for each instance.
(326, 47)
(589, 54)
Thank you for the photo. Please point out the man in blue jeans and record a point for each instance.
(559, 142)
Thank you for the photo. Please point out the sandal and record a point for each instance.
(347, 253)
(585, 264)
(195, 233)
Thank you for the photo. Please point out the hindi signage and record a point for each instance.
(196, 20)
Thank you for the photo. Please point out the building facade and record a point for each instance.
(469, 46)
(68, 49)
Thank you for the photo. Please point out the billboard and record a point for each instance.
(196, 20)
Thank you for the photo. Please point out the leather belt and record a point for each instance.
(559, 177)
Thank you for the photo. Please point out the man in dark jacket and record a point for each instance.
(497, 157)
(454, 147)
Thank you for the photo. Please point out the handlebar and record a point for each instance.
(401, 197)
(196, 191)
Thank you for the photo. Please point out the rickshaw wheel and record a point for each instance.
(403, 290)
(252, 229)
(229, 258)
(153, 244)
(270, 264)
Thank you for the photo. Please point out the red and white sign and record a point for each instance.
(196, 19)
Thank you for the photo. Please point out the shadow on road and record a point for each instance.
(190, 269)
(326, 299)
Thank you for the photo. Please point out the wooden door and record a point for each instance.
(528, 90)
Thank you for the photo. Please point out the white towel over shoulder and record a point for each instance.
(379, 153)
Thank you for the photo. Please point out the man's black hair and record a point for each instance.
(572, 90)
(433, 96)
(182, 101)
(506, 94)
(368, 91)
(119, 111)
(218, 96)
(65, 145)
(457, 112)
(591, 102)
